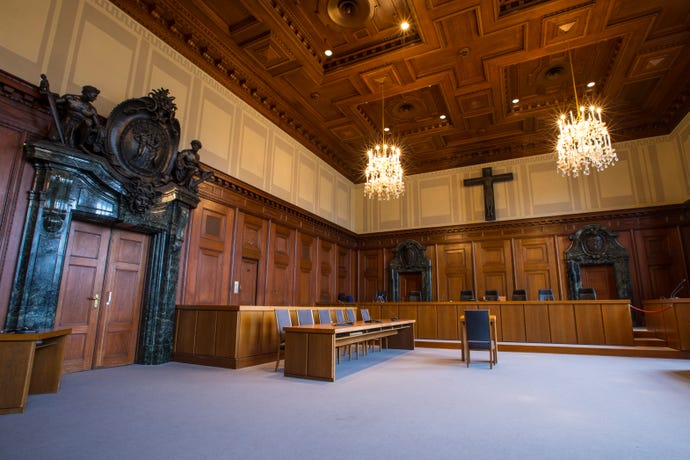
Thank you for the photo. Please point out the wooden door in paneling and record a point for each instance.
(326, 279)
(305, 285)
(600, 277)
(410, 282)
(207, 274)
(100, 295)
(280, 265)
(494, 267)
(249, 277)
(80, 300)
(454, 271)
(123, 289)
(536, 266)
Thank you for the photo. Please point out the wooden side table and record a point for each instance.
(30, 363)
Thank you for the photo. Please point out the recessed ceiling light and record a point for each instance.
(328, 53)
(516, 100)
(386, 129)
(442, 117)
(404, 25)
(591, 84)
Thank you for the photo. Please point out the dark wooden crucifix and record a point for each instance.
(487, 180)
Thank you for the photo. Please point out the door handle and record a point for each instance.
(96, 300)
(110, 297)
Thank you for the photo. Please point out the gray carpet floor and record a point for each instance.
(421, 404)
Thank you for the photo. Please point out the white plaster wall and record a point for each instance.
(78, 42)
(649, 172)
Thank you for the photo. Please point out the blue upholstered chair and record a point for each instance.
(282, 320)
(351, 316)
(479, 333)
(305, 317)
(545, 294)
(339, 318)
(366, 317)
(325, 317)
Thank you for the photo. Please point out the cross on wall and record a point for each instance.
(487, 180)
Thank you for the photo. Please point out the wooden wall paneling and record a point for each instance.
(589, 324)
(209, 252)
(24, 117)
(226, 327)
(185, 330)
(618, 328)
(494, 267)
(402, 311)
(204, 343)
(454, 271)
(661, 261)
(447, 325)
(512, 322)
(249, 267)
(305, 279)
(370, 274)
(326, 281)
(427, 327)
(345, 267)
(535, 265)
(562, 323)
(537, 326)
(281, 265)
(250, 330)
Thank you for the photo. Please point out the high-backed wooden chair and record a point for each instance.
(479, 333)
(325, 317)
(467, 295)
(366, 317)
(545, 294)
(415, 296)
(282, 320)
(519, 294)
(586, 293)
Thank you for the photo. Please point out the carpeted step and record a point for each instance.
(649, 342)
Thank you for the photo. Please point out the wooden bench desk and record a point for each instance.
(310, 351)
(30, 363)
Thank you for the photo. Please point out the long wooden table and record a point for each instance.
(310, 351)
(30, 363)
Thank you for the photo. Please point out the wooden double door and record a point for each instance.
(100, 297)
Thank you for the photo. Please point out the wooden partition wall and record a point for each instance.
(245, 335)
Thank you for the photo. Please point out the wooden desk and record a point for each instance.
(310, 350)
(29, 364)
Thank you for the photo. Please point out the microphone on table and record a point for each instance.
(679, 287)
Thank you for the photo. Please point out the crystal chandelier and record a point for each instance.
(384, 172)
(584, 141)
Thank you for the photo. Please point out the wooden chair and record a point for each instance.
(519, 294)
(325, 317)
(491, 294)
(479, 333)
(467, 295)
(545, 294)
(339, 318)
(305, 317)
(415, 296)
(586, 293)
(282, 320)
(366, 317)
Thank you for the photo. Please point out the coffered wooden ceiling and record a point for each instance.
(465, 59)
